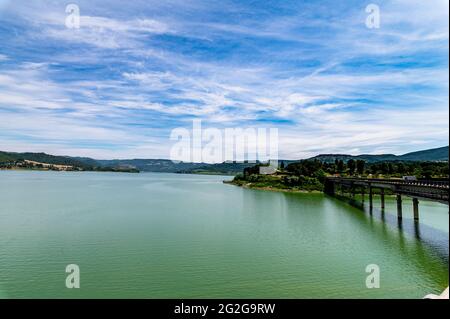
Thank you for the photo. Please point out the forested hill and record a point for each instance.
(10, 160)
(41, 158)
(432, 155)
(168, 166)
(226, 168)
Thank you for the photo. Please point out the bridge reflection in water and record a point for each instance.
(432, 190)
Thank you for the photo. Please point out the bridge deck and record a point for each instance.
(421, 189)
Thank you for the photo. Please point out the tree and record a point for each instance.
(418, 172)
(340, 166)
(400, 168)
(320, 175)
(360, 166)
(390, 168)
(384, 168)
(351, 166)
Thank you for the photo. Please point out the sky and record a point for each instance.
(117, 86)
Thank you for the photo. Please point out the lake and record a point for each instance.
(153, 235)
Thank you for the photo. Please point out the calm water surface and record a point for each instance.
(182, 236)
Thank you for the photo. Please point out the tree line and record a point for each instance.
(311, 174)
(361, 168)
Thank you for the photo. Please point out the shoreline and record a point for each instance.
(118, 171)
(65, 171)
(273, 189)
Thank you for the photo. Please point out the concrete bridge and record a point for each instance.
(433, 190)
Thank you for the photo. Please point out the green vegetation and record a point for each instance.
(309, 175)
(168, 166)
(226, 168)
(360, 168)
(426, 164)
(432, 155)
(42, 161)
(17, 160)
(277, 182)
(233, 168)
(5, 157)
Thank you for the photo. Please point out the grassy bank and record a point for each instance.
(278, 183)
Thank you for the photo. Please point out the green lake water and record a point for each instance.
(184, 236)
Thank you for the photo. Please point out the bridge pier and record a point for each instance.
(435, 190)
(416, 209)
(329, 187)
(399, 207)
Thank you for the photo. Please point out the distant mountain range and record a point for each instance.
(227, 168)
(432, 155)
(168, 166)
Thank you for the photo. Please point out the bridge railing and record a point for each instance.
(422, 183)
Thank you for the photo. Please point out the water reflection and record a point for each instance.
(435, 239)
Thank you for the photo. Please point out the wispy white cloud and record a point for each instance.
(131, 75)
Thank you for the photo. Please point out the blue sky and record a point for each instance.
(135, 70)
